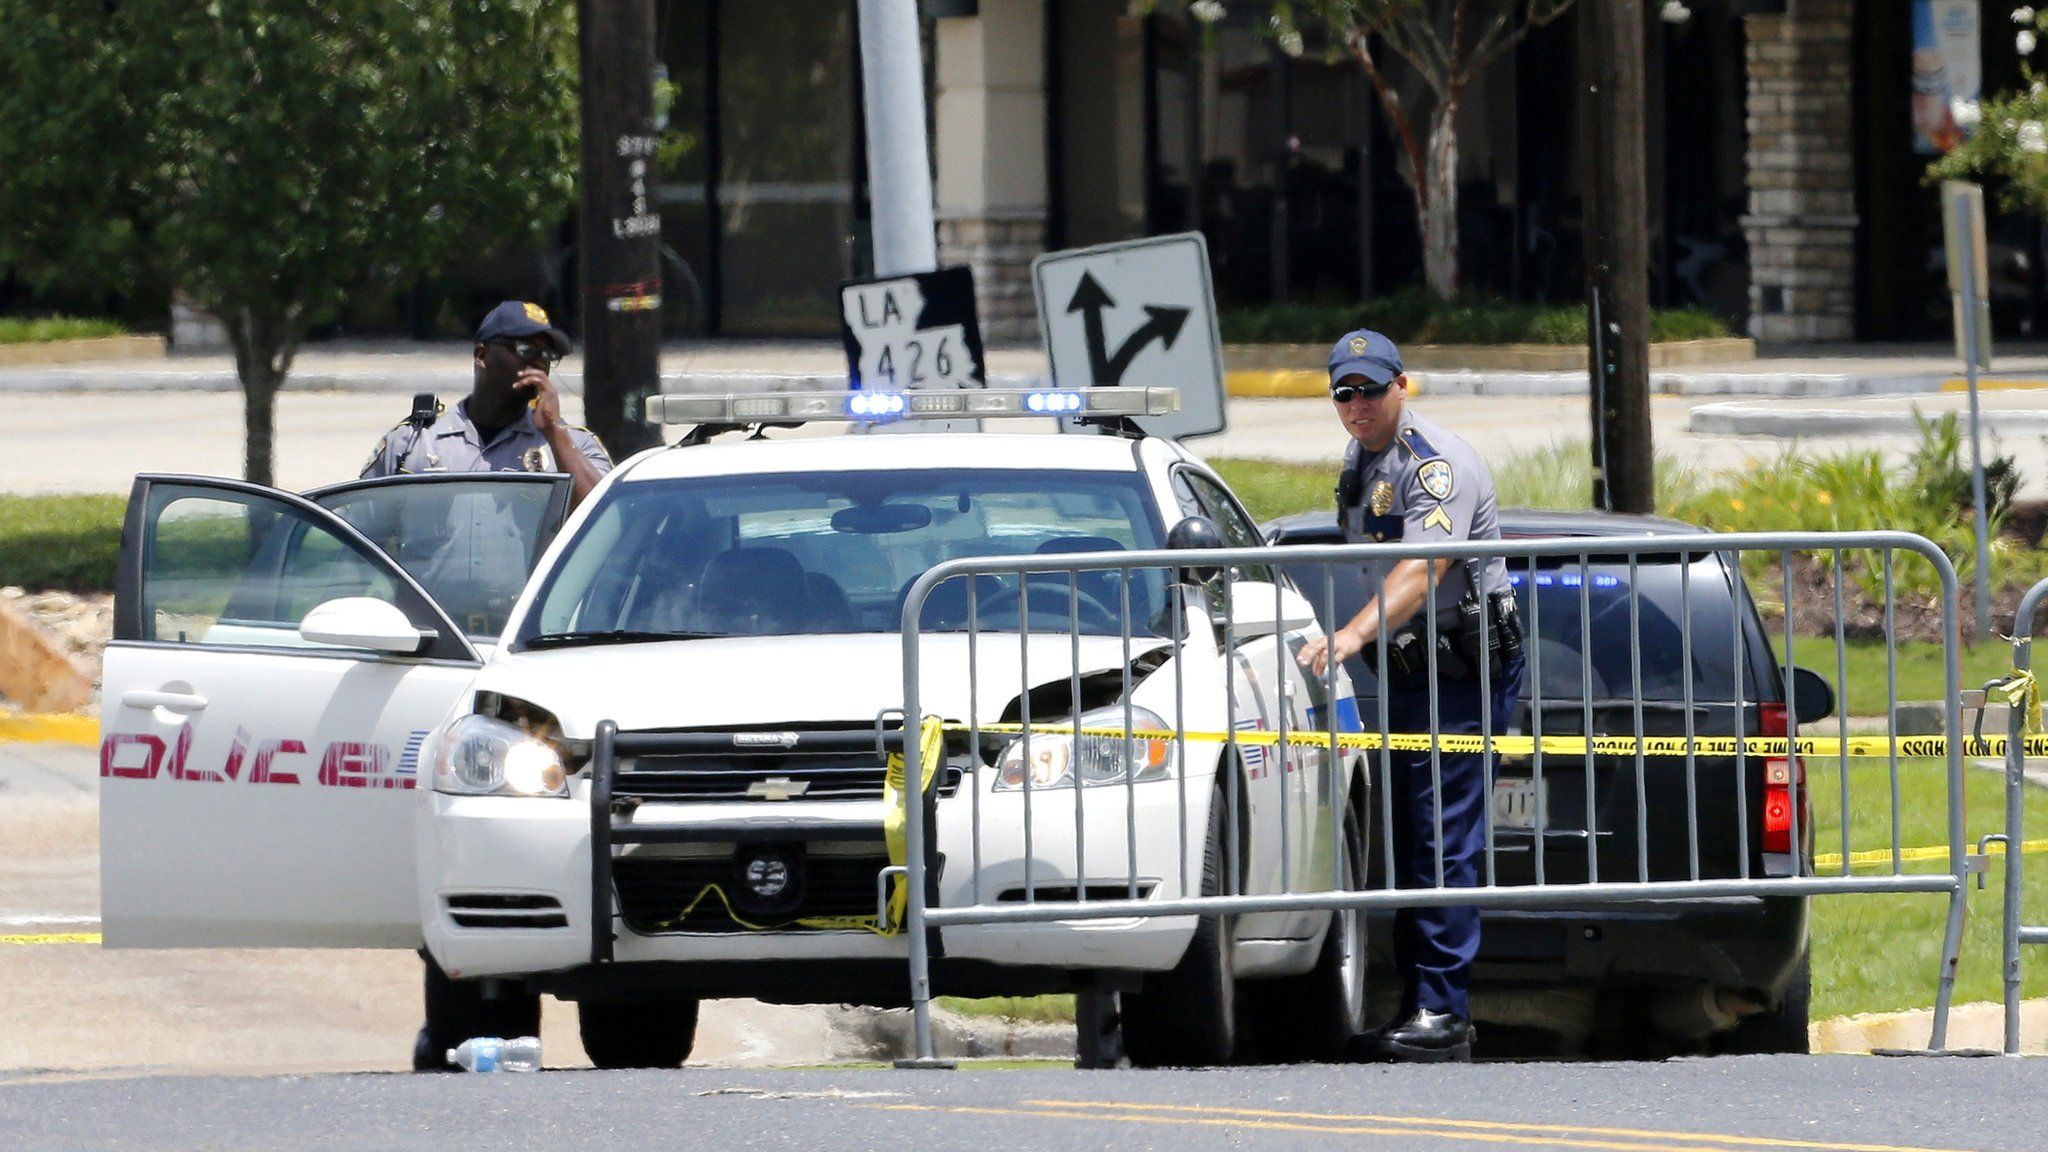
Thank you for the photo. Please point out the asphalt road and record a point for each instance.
(98, 441)
(1726, 1105)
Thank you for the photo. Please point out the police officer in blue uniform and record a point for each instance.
(511, 421)
(1406, 479)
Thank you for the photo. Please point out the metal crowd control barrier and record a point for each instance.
(1083, 629)
(2023, 719)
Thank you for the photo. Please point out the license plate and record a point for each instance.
(1514, 802)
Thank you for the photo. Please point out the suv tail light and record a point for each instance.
(1784, 785)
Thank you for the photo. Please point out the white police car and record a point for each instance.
(327, 722)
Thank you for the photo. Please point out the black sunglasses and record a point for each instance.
(1346, 393)
(528, 351)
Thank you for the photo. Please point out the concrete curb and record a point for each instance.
(49, 728)
(888, 1034)
(1737, 419)
(1494, 357)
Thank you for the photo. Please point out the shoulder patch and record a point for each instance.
(1435, 477)
(1413, 440)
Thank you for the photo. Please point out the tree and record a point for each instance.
(1447, 44)
(2008, 133)
(271, 157)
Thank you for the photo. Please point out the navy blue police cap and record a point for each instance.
(1368, 354)
(515, 319)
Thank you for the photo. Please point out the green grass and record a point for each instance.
(14, 330)
(60, 542)
(1037, 1009)
(1416, 316)
(1920, 675)
(1882, 953)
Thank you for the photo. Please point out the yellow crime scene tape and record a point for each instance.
(52, 938)
(1855, 746)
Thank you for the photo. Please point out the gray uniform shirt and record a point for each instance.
(453, 444)
(1428, 486)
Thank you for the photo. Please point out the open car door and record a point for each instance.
(271, 676)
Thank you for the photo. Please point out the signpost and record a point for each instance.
(1969, 278)
(1138, 314)
(916, 331)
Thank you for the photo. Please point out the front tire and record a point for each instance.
(1314, 1016)
(1187, 1016)
(657, 1033)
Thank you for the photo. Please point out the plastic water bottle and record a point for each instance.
(491, 1054)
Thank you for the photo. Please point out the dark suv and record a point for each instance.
(1728, 974)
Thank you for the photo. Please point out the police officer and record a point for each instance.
(511, 421)
(1406, 479)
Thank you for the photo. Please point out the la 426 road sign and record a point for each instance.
(1136, 314)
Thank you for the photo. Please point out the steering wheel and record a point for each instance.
(1091, 611)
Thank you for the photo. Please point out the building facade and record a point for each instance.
(1785, 191)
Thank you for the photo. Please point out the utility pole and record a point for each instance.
(1617, 253)
(899, 168)
(619, 240)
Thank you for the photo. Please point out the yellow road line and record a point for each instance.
(1488, 1125)
(52, 938)
(48, 728)
(1387, 1126)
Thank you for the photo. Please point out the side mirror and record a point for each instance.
(1196, 532)
(1813, 698)
(1255, 610)
(363, 622)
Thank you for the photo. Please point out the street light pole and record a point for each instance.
(619, 223)
(899, 168)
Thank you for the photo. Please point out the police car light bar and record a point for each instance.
(883, 407)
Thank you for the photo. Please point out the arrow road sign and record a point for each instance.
(1104, 367)
(1118, 314)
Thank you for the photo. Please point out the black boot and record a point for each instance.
(1428, 1038)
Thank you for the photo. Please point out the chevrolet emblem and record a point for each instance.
(778, 788)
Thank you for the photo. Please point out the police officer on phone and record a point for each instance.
(511, 421)
(1407, 480)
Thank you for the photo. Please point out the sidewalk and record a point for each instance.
(93, 426)
(407, 366)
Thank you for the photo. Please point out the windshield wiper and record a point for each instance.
(614, 636)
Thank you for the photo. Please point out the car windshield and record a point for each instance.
(1572, 603)
(1667, 590)
(835, 552)
(470, 542)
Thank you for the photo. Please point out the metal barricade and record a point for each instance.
(2023, 719)
(1103, 657)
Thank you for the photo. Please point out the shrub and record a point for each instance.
(1414, 315)
(14, 330)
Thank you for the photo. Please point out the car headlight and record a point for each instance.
(1056, 759)
(481, 756)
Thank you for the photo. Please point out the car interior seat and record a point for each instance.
(753, 592)
(1102, 586)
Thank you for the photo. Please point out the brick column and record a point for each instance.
(991, 186)
(1801, 224)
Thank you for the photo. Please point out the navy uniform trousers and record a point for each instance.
(1434, 947)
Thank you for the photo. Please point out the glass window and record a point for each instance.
(1237, 528)
(227, 569)
(470, 543)
(837, 552)
(1666, 590)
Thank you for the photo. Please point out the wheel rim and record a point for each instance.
(1351, 941)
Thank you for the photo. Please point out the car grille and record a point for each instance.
(702, 778)
(654, 892)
